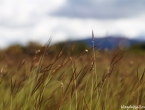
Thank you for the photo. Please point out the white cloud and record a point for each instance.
(130, 27)
(61, 29)
(3, 44)
(21, 12)
(19, 19)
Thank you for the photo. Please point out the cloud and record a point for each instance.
(101, 9)
(19, 19)
(63, 28)
(17, 13)
(69, 28)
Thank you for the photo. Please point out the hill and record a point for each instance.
(111, 42)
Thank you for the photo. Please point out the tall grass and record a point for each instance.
(91, 81)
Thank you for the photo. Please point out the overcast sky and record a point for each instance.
(38, 20)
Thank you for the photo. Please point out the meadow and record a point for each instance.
(89, 80)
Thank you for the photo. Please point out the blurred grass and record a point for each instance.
(65, 81)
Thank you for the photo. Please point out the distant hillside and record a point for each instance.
(111, 42)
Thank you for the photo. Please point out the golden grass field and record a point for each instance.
(91, 80)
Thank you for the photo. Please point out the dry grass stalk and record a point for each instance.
(22, 63)
(92, 36)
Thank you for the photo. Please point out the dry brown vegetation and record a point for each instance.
(55, 78)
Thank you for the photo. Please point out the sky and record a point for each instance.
(22, 21)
